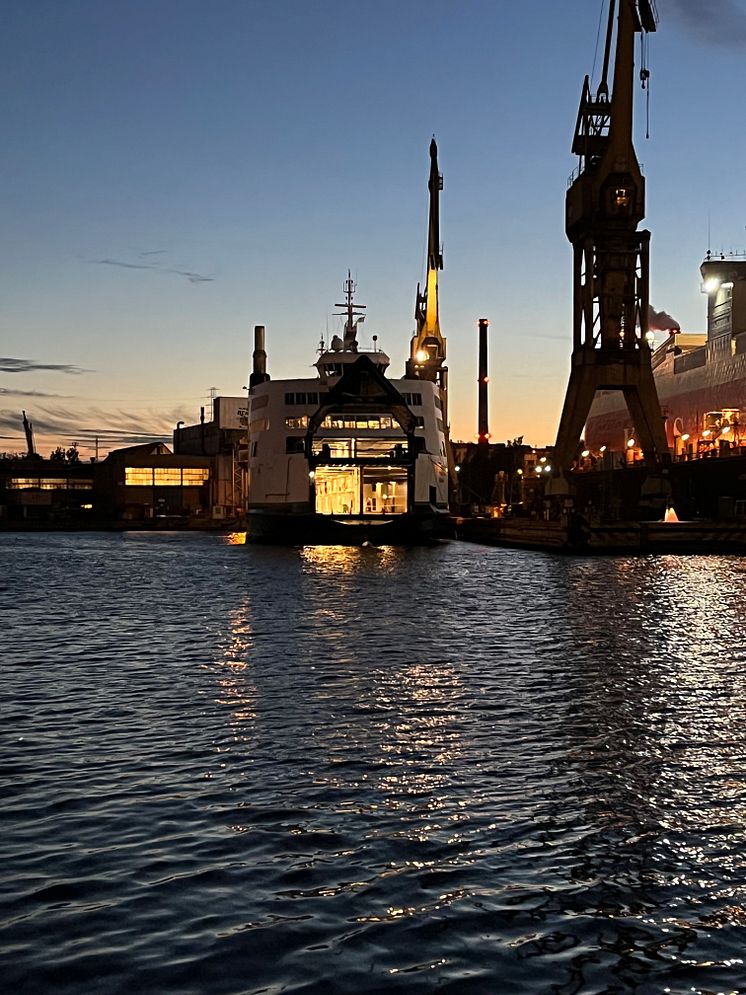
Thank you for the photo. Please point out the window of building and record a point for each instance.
(167, 477)
(146, 476)
(49, 484)
(194, 476)
(294, 444)
(138, 476)
(297, 421)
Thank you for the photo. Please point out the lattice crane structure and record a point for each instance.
(605, 203)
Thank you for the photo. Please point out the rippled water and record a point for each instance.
(229, 769)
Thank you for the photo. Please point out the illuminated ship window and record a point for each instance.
(359, 422)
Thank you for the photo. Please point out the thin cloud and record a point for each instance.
(191, 276)
(9, 365)
(119, 262)
(11, 392)
(719, 22)
(111, 428)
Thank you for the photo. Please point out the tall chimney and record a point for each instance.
(483, 427)
(259, 372)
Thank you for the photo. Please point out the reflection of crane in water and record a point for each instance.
(604, 205)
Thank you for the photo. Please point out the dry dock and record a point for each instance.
(579, 536)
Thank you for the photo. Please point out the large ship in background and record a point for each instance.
(350, 455)
(700, 378)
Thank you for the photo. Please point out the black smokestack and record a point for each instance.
(483, 426)
(259, 372)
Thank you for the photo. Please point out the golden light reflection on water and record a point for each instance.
(420, 746)
(237, 690)
(349, 559)
(234, 539)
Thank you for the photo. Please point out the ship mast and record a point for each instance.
(353, 315)
(604, 205)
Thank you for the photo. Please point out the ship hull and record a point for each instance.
(289, 529)
(685, 399)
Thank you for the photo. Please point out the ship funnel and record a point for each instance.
(483, 426)
(259, 371)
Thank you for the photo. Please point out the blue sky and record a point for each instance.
(175, 172)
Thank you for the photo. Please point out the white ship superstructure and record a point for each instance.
(348, 453)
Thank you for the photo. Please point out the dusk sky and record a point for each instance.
(175, 172)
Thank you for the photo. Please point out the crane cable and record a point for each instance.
(645, 77)
(598, 37)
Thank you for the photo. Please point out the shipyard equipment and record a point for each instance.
(483, 431)
(605, 204)
(29, 430)
(428, 347)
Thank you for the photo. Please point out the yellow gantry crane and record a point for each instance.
(605, 204)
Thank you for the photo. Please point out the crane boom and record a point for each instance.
(428, 347)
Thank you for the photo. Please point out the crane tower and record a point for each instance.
(428, 347)
(604, 205)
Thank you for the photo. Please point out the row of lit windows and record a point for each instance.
(49, 484)
(367, 423)
(360, 422)
(146, 476)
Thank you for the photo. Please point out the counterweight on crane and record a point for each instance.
(604, 205)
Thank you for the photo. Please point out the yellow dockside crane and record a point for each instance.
(428, 347)
(604, 205)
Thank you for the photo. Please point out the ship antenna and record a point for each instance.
(351, 315)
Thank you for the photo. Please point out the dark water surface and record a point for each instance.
(228, 769)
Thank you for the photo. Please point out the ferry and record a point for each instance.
(351, 456)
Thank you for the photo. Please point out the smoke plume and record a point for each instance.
(660, 321)
(719, 22)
